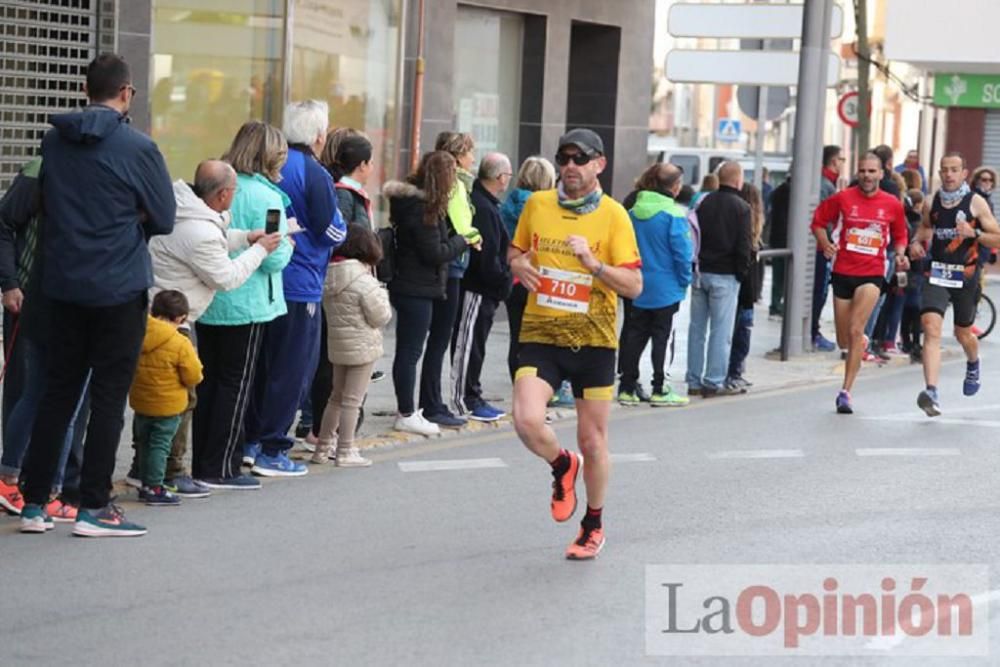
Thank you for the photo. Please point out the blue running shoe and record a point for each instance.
(484, 413)
(844, 406)
(927, 401)
(278, 465)
(34, 519)
(158, 496)
(564, 397)
(822, 344)
(971, 383)
(109, 521)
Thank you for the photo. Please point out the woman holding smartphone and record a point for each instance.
(230, 331)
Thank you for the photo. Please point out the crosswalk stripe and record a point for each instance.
(632, 458)
(758, 454)
(908, 451)
(455, 464)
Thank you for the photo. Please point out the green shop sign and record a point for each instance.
(967, 90)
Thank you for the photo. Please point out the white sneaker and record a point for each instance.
(416, 423)
(352, 458)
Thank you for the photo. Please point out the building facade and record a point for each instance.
(514, 73)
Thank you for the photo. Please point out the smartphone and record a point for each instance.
(272, 220)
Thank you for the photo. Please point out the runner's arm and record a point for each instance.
(899, 238)
(625, 280)
(923, 235)
(826, 214)
(990, 236)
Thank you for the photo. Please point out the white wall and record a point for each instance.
(944, 35)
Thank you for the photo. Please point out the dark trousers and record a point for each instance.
(322, 383)
(106, 339)
(643, 324)
(741, 342)
(626, 317)
(821, 286)
(229, 356)
(442, 324)
(468, 349)
(777, 306)
(74, 462)
(14, 375)
(416, 317)
(285, 369)
(516, 303)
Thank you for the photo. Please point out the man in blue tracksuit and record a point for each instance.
(667, 249)
(290, 350)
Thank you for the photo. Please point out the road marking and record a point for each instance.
(455, 464)
(758, 454)
(632, 458)
(907, 451)
(915, 415)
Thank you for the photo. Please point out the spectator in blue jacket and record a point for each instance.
(105, 190)
(666, 248)
(290, 351)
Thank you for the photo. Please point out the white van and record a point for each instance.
(696, 162)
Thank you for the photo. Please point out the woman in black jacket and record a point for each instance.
(425, 244)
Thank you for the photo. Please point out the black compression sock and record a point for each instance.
(592, 519)
(561, 463)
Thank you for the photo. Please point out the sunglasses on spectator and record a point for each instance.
(579, 159)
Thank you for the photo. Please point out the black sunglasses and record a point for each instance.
(579, 159)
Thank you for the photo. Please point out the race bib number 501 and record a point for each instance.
(564, 290)
(865, 241)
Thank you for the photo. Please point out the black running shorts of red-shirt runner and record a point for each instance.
(850, 210)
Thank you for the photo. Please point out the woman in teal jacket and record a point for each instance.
(231, 330)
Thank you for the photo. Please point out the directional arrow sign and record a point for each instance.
(761, 21)
(761, 68)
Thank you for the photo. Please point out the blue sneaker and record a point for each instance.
(278, 465)
(109, 521)
(564, 397)
(844, 406)
(238, 483)
(158, 496)
(971, 383)
(497, 411)
(822, 344)
(446, 419)
(485, 413)
(34, 519)
(251, 451)
(927, 401)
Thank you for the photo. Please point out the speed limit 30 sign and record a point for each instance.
(847, 109)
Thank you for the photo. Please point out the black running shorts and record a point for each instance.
(935, 299)
(591, 370)
(844, 286)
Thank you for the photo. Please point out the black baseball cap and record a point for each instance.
(586, 140)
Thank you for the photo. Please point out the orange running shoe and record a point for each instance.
(587, 544)
(564, 489)
(11, 498)
(60, 511)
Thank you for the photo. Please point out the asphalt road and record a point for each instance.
(395, 565)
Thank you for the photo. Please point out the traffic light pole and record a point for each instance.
(807, 154)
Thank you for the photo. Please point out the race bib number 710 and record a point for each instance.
(564, 290)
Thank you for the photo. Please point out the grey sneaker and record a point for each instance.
(185, 487)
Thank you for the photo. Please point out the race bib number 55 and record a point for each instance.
(564, 290)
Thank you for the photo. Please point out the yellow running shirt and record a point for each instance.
(572, 308)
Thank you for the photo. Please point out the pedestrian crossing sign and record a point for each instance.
(729, 129)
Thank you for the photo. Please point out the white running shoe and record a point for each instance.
(416, 423)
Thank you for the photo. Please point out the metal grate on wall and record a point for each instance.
(45, 46)
(991, 149)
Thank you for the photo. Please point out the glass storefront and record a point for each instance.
(487, 88)
(347, 53)
(215, 65)
(218, 63)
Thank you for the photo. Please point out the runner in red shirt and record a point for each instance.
(865, 219)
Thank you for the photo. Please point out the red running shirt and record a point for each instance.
(863, 227)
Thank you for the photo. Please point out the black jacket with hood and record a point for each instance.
(489, 272)
(105, 190)
(422, 251)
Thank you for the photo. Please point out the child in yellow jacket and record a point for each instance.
(168, 366)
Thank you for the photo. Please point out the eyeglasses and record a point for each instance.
(579, 159)
(131, 89)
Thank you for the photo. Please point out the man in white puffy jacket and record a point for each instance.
(200, 257)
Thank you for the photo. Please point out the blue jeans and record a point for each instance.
(713, 309)
(741, 342)
(17, 431)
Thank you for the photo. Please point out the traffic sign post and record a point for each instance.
(847, 109)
